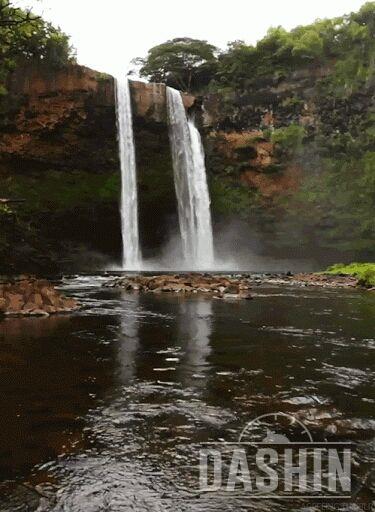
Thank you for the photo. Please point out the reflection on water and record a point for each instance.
(104, 409)
(48, 381)
(194, 330)
(128, 339)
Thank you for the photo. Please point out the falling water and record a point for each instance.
(190, 184)
(131, 258)
(205, 248)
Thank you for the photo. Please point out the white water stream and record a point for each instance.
(131, 256)
(191, 185)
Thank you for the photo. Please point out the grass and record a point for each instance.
(364, 272)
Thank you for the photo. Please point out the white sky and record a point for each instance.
(108, 34)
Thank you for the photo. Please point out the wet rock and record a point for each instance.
(246, 295)
(231, 289)
(28, 296)
(305, 279)
(207, 284)
(14, 302)
(231, 296)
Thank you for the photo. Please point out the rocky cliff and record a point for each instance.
(58, 153)
(55, 116)
(291, 154)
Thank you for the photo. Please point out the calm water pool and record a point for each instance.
(104, 409)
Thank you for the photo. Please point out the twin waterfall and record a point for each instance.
(190, 184)
(189, 178)
(131, 257)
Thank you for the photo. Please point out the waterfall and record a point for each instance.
(190, 184)
(131, 258)
(205, 243)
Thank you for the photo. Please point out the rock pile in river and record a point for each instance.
(25, 295)
(219, 286)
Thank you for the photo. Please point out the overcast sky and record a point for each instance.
(108, 34)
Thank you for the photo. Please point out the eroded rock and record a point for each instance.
(28, 296)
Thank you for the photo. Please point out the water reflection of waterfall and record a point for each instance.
(129, 340)
(194, 331)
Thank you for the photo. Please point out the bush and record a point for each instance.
(365, 272)
(289, 138)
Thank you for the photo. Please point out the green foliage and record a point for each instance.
(61, 190)
(365, 272)
(346, 44)
(289, 138)
(24, 36)
(347, 41)
(184, 63)
(334, 207)
(227, 199)
(337, 197)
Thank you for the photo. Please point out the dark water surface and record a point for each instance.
(103, 410)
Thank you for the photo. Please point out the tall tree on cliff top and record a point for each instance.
(24, 36)
(184, 63)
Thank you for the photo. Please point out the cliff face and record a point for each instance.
(273, 102)
(56, 116)
(58, 152)
(55, 119)
(239, 126)
(282, 154)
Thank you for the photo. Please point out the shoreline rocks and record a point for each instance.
(186, 283)
(29, 296)
(312, 279)
(228, 286)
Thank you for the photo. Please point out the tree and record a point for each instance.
(25, 36)
(184, 63)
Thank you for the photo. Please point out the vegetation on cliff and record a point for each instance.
(40, 232)
(324, 127)
(24, 36)
(300, 165)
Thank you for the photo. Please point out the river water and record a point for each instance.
(103, 410)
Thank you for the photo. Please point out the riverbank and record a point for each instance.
(236, 286)
(28, 296)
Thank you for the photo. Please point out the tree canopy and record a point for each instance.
(348, 42)
(184, 63)
(25, 36)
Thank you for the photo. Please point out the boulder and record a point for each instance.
(232, 289)
(15, 302)
(25, 295)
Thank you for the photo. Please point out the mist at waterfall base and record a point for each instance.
(237, 248)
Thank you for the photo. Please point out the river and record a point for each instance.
(104, 409)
